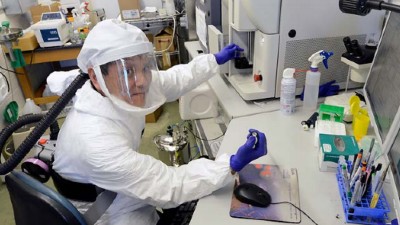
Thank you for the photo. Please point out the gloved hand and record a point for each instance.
(246, 153)
(328, 89)
(325, 90)
(227, 53)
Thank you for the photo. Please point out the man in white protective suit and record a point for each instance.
(99, 139)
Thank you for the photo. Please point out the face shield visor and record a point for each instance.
(128, 83)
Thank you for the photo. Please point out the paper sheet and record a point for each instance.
(201, 26)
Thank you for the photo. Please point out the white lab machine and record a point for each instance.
(201, 102)
(51, 30)
(279, 34)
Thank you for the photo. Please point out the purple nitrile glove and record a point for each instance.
(227, 53)
(327, 89)
(254, 148)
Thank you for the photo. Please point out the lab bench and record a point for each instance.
(43, 55)
(288, 146)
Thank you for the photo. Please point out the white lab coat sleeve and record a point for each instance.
(120, 169)
(180, 79)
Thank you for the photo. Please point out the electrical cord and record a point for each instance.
(7, 69)
(197, 154)
(12, 71)
(173, 35)
(30, 63)
(203, 138)
(8, 84)
(277, 203)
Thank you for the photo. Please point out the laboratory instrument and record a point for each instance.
(9, 35)
(173, 143)
(69, 5)
(359, 58)
(287, 39)
(252, 194)
(363, 7)
(310, 123)
(51, 30)
(313, 77)
(288, 92)
(205, 13)
(249, 151)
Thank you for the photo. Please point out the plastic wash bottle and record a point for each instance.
(288, 92)
(313, 76)
(30, 108)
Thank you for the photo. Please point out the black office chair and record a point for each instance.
(36, 204)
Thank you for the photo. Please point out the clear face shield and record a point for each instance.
(128, 80)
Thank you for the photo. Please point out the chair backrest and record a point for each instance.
(34, 203)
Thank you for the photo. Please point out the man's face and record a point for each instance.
(129, 79)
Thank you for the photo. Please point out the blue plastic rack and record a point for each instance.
(361, 213)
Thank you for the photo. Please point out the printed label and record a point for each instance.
(327, 147)
(50, 35)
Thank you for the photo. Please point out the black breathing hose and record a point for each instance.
(46, 120)
(22, 121)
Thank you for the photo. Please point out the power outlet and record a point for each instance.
(3, 89)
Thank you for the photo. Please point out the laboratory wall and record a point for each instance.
(15, 94)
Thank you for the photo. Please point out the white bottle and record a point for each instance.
(30, 108)
(46, 93)
(313, 76)
(288, 92)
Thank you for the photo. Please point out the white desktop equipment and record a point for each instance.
(51, 30)
(278, 34)
(201, 103)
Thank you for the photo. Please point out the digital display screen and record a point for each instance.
(51, 16)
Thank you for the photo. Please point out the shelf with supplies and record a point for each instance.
(144, 22)
(161, 31)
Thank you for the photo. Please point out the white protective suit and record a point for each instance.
(98, 144)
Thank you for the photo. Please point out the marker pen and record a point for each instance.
(354, 167)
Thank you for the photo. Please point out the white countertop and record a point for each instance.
(234, 106)
(289, 146)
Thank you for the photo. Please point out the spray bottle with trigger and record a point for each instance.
(313, 76)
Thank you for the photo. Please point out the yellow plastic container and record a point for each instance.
(360, 125)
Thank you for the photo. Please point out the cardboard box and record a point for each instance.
(27, 42)
(164, 39)
(36, 11)
(153, 117)
(150, 37)
(129, 9)
(333, 146)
